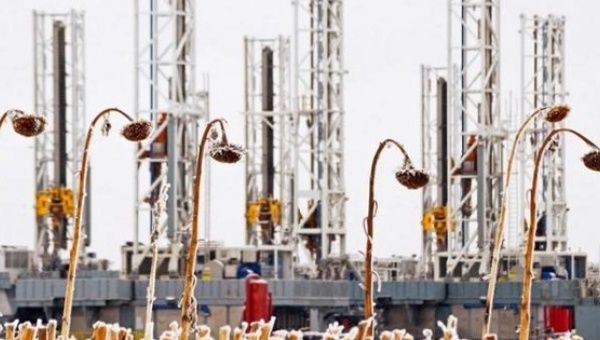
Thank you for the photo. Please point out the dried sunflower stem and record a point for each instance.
(3, 117)
(368, 297)
(499, 233)
(157, 212)
(525, 308)
(189, 277)
(75, 244)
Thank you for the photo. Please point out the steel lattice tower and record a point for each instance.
(269, 142)
(543, 84)
(59, 94)
(318, 105)
(165, 86)
(475, 136)
(270, 152)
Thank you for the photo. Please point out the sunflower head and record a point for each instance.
(28, 125)
(137, 130)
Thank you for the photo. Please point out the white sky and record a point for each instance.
(386, 41)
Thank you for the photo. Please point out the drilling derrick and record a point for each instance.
(543, 84)
(269, 157)
(59, 88)
(319, 191)
(165, 92)
(475, 137)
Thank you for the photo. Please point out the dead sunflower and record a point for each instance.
(225, 152)
(557, 113)
(592, 160)
(137, 130)
(412, 178)
(27, 124)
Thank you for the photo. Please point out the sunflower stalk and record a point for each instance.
(553, 114)
(81, 192)
(158, 211)
(525, 305)
(409, 177)
(221, 151)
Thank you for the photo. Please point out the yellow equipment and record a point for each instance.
(436, 220)
(258, 207)
(55, 201)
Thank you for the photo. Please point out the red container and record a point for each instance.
(558, 319)
(257, 305)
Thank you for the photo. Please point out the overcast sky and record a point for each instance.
(386, 41)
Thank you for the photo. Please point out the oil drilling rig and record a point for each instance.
(165, 94)
(461, 105)
(295, 192)
(464, 132)
(543, 84)
(59, 93)
(269, 158)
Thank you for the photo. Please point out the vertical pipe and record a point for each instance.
(442, 141)
(59, 122)
(60, 103)
(442, 147)
(267, 122)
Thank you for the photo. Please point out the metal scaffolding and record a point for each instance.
(59, 94)
(543, 84)
(269, 143)
(475, 137)
(318, 105)
(165, 92)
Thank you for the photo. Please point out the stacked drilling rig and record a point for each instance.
(294, 209)
(295, 193)
(464, 133)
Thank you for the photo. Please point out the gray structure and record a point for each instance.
(413, 305)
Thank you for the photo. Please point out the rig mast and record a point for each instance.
(270, 151)
(475, 137)
(59, 94)
(543, 84)
(318, 105)
(165, 92)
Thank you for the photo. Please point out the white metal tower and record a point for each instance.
(318, 105)
(270, 152)
(543, 84)
(269, 142)
(165, 92)
(475, 137)
(59, 94)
